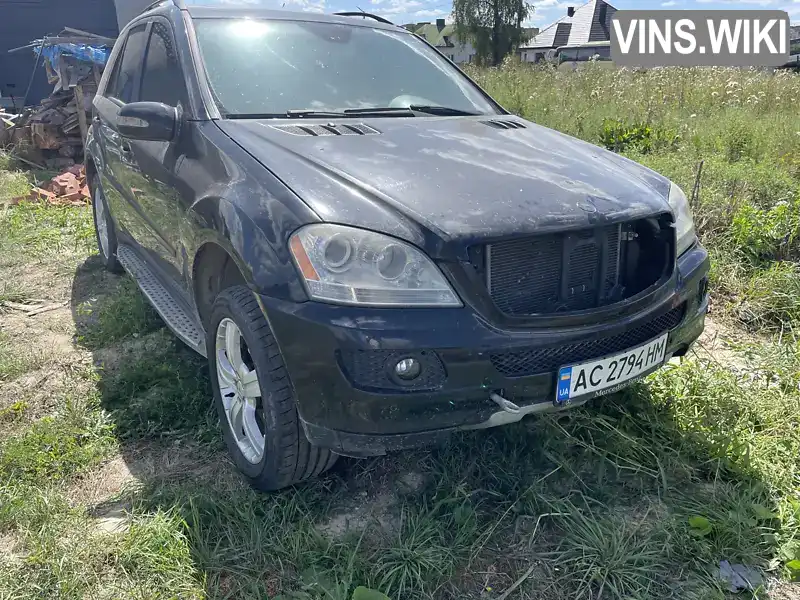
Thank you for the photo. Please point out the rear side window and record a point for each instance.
(571, 54)
(127, 70)
(603, 51)
(162, 80)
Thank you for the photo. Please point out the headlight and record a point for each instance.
(346, 265)
(684, 224)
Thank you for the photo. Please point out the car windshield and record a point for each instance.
(271, 67)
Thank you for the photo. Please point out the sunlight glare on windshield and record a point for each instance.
(249, 28)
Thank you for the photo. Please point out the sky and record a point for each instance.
(545, 11)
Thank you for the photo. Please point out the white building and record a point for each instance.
(588, 23)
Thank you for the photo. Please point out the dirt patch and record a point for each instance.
(362, 512)
(8, 546)
(130, 350)
(719, 342)
(113, 519)
(412, 482)
(783, 590)
(44, 279)
(38, 393)
(47, 337)
(102, 484)
(146, 462)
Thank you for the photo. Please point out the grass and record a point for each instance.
(640, 495)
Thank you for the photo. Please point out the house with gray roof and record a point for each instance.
(443, 37)
(581, 25)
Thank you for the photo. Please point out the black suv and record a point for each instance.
(370, 251)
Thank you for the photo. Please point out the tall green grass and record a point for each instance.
(744, 125)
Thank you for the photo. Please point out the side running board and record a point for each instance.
(175, 315)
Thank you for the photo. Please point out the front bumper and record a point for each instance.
(339, 359)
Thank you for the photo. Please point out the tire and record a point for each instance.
(106, 246)
(287, 457)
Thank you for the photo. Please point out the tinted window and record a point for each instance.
(589, 53)
(571, 54)
(123, 81)
(112, 78)
(162, 80)
(269, 67)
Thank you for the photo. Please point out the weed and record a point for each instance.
(609, 555)
(162, 391)
(57, 447)
(116, 317)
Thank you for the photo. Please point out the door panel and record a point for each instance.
(119, 168)
(156, 187)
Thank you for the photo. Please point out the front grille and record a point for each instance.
(532, 361)
(372, 370)
(554, 273)
(576, 270)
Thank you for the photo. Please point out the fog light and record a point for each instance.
(407, 369)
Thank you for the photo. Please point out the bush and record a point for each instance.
(767, 235)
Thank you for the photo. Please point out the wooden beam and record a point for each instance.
(81, 115)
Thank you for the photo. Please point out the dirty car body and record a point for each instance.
(424, 268)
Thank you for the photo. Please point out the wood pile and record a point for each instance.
(68, 187)
(49, 135)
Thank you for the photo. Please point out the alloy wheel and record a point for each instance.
(240, 391)
(101, 219)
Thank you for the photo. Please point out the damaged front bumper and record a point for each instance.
(341, 363)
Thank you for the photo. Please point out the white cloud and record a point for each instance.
(399, 7)
(317, 6)
(431, 13)
(669, 3)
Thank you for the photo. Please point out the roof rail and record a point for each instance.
(152, 5)
(366, 15)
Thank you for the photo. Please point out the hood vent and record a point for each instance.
(504, 124)
(328, 129)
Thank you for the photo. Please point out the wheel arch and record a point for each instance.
(228, 248)
(214, 269)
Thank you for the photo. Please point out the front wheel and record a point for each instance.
(104, 229)
(254, 397)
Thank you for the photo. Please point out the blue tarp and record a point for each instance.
(93, 54)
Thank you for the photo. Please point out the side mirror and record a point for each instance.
(152, 121)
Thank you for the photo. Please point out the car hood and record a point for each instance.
(453, 178)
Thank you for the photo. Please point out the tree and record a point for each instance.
(493, 26)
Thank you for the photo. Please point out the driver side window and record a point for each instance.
(122, 84)
(163, 78)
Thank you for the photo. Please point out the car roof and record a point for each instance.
(261, 9)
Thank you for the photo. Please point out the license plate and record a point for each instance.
(612, 373)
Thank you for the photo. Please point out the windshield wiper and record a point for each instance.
(444, 111)
(299, 113)
(379, 111)
(410, 111)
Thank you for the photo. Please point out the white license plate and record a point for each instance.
(612, 373)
